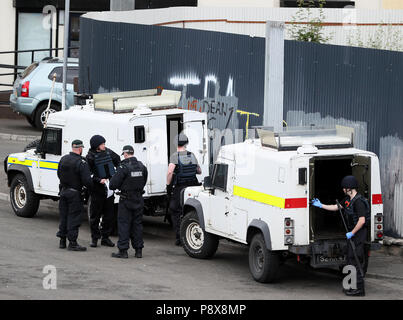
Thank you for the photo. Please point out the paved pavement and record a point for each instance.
(18, 130)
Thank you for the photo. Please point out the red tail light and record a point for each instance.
(379, 235)
(25, 89)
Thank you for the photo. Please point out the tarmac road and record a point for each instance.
(165, 271)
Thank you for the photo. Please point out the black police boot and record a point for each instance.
(74, 246)
(62, 243)
(139, 253)
(107, 242)
(94, 243)
(121, 254)
(355, 293)
(178, 242)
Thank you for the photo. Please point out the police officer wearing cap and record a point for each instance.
(358, 219)
(102, 162)
(130, 179)
(182, 170)
(73, 173)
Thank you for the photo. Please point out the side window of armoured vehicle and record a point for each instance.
(219, 179)
(51, 141)
(139, 134)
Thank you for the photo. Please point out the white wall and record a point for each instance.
(7, 43)
(368, 4)
(239, 3)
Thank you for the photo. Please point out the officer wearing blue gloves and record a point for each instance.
(357, 213)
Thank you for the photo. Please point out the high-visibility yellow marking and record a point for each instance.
(50, 165)
(26, 162)
(259, 197)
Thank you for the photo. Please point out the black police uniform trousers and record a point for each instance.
(359, 240)
(71, 208)
(101, 206)
(175, 208)
(130, 222)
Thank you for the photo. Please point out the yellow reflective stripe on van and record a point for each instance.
(49, 165)
(259, 197)
(26, 162)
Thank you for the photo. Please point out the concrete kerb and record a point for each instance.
(17, 137)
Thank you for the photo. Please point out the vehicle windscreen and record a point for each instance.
(27, 71)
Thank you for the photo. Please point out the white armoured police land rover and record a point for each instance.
(144, 119)
(259, 195)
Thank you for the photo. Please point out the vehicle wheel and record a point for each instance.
(31, 121)
(263, 263)
(196, 242)
(40, 114)
(24, 202)
(32, 144)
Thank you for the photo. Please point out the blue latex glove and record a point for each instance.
(316, 202)
(349, 235)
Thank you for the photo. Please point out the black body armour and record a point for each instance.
(134, 180)
(352, 217)
(186, 173)
(103, 165)
(69, 172)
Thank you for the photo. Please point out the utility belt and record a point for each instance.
(130, 195)
(81, 193)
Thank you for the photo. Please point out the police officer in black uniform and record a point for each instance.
(182, 170)
(358, 219)
(102, 162)
(130, 179)
(73, 173)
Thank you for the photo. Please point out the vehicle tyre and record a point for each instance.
(40, 114)
(32, 145)
(196, 242)
(24, 201)
(263, 263)
(31, 121)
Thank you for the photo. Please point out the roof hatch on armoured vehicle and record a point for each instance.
(292, 138)
(128, 101)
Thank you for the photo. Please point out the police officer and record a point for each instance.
(357, 213)
(73, 173)
(130, 179)
(182, 171)
(102, 162)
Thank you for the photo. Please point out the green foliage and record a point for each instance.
(385, 37)
(305, 26)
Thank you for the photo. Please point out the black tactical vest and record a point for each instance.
(186, 173)
(134, 180)
(69, 172)
(104, 167)
(352, 217)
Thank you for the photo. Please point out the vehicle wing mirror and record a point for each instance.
(207, 183)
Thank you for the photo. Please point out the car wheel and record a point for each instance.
(196, 242)
(263, 263)
(40, 114)
(24, 202)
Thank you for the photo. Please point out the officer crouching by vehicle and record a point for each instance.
(102, 162)
(182, 170)
(130, 179)
(73, 173)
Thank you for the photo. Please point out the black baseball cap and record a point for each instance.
(127, 149)
(77, 144)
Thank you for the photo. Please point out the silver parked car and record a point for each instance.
(31, 90)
